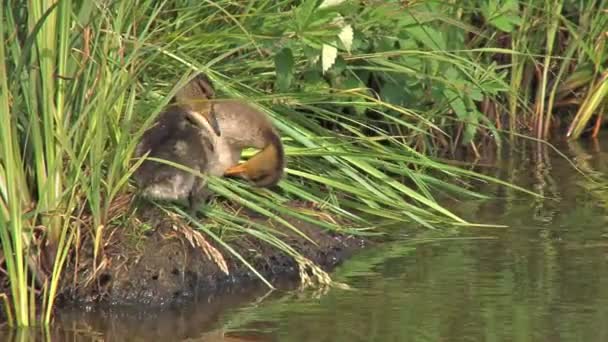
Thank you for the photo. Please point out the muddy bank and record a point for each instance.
(169, 262)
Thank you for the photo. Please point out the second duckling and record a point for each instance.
(179, 136)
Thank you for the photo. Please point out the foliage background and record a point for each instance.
(367, 95)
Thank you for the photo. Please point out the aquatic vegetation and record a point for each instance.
(364, 94)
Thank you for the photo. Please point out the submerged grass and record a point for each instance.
(366, 96)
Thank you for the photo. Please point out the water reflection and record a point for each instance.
(544, 278)
(199, 320)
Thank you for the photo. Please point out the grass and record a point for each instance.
(557, 53)
(365, 97)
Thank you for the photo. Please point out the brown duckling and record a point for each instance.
(180, 135)
(241, 126)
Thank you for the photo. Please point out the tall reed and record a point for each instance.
(555, 53)
(68, 74)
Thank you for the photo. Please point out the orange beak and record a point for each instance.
(235, 170)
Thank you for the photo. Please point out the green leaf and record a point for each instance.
(392, 93)
(467, 114)
(503, 23)
(471, 125)
(457, 104)
(313, 81)
(428, 36)
(350, 82)
(503, 15)
(303, 14)
(284, 65)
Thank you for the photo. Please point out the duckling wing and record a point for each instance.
(164, 129)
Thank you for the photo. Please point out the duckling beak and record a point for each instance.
(236, 170)
(212, 119)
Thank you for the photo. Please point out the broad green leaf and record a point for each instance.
(430, 37)
(392, 93)
(503, 14)
(470, 126)
(303, 14)
(457, 104)
(504, 23)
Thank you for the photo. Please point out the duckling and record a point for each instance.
(241, 126)
(180, 135)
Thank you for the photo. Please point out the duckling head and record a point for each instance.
(196, 97)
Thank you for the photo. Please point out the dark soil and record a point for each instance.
(163, 266)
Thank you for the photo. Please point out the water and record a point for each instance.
(544, 278)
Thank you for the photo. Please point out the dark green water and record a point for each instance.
(544, 278)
